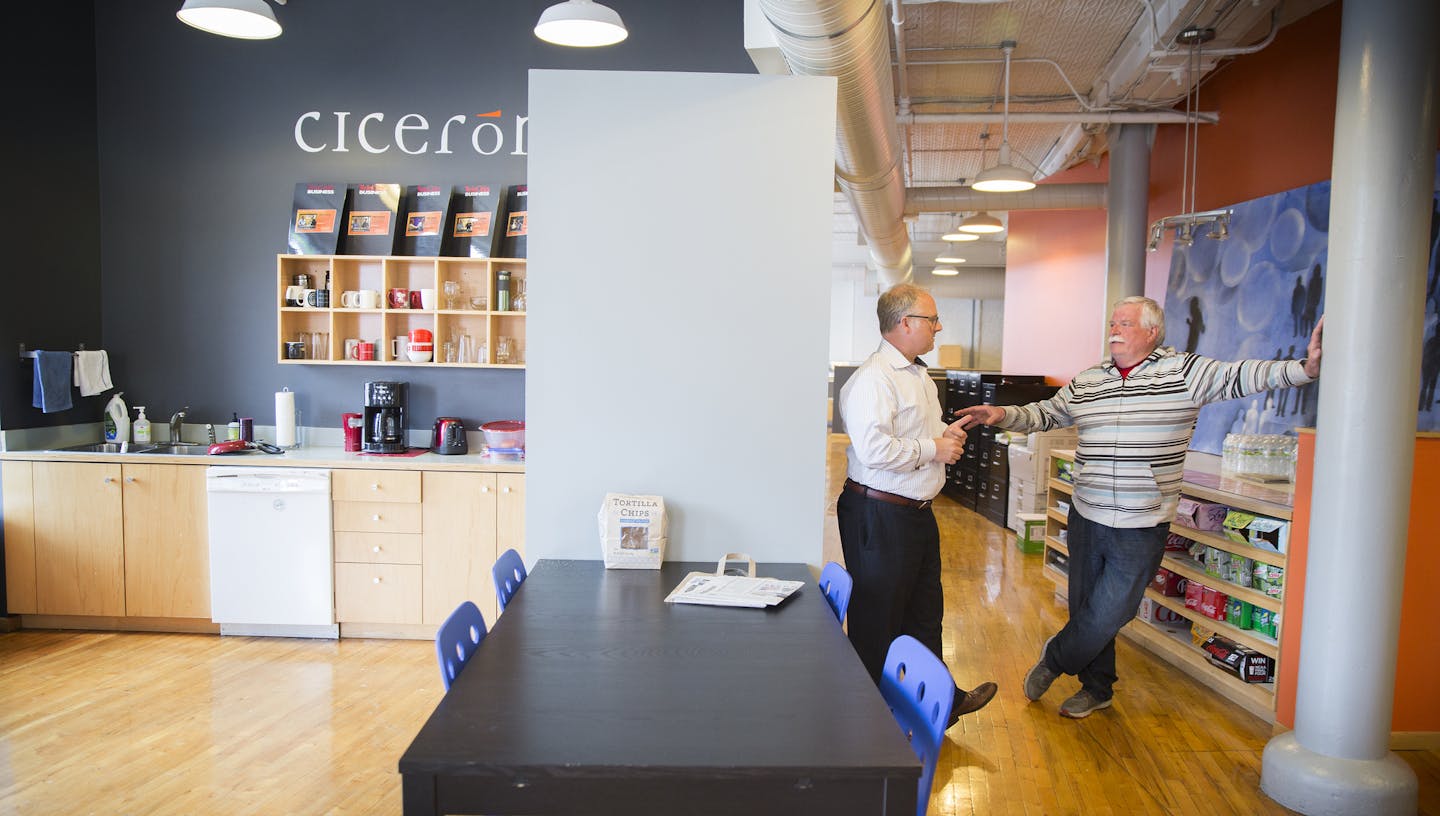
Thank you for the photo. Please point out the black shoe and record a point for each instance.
(971, 701)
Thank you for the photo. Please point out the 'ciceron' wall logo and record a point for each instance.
(412, 133)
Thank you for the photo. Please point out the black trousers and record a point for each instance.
(893, 555)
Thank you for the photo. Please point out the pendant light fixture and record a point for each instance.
(955, 235)
(581, 24)
(241, 19)
(944, 271)
(982, 223)
(946, 258)
(1004, 177)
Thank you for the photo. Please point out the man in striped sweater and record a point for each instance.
(1135, 414)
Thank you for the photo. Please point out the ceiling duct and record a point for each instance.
(1044, 197)
(849, 40)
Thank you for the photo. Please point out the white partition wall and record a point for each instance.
(679, 287)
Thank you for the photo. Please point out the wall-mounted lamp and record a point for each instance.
(581, 24)
(242, 19)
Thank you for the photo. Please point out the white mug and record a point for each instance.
(350, 299)
(305, 297)
(294, 296)
(369, 299)
(427, 298)
(399, 346)
(352, 345)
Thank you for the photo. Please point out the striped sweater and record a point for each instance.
(1134, 431)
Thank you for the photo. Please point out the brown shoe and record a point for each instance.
(971, 701)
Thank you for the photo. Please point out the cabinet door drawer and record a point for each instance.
(377, 517)
(377, 593)
(375, 485)
(377, 548)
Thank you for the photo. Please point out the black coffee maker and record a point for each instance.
(384, 429)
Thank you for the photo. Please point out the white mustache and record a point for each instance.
(1115, 338)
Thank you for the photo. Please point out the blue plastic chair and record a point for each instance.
(920, 692)
(457, 639)
(836, 583)
(509, 573)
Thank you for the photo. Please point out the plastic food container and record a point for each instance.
(504, 434)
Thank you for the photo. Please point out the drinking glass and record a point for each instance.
(517, 302)
(452, 290)
(463, 350)
(504, 349)
(449, 352)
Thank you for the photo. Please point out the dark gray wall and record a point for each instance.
(50, 217)
(197, 166)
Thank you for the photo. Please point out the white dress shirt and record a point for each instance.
(891, 410)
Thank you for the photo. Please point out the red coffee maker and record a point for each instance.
(350, 424)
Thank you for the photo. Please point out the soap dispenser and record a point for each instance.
(142, 427)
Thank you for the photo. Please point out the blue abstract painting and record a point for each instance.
(1258, 294)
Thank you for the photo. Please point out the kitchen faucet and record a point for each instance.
(177, 419)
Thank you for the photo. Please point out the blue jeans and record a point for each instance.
(1109, 570)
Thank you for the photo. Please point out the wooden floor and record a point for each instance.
(197, 724)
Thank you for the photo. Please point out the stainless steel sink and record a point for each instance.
(178, 449)
(106, 447)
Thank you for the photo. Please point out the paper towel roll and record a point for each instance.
(285, 418)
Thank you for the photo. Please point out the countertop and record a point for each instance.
(311, 456)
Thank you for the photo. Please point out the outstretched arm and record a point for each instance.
(1312, 352)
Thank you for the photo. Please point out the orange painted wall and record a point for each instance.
(1417, 708)
(1276, 132)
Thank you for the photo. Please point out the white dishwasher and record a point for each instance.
(271, 565)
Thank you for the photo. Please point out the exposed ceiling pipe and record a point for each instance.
(1045, 197)
(847, 39)
(897, 21)
(1155, 117)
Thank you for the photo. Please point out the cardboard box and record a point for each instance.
(1194, 593)
(1199, 633)
(1264, 622)
(1239, 613)
(1200, 515)
(1170, 584)
(1026, 465)
(1258, 531)
(1152, 612)
(952, 356)
(1268, 579)
(1241, 661)
(1031, 537)
(1212, 603)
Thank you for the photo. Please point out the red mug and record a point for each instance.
(399, 298)
(366, 350)
(424, 336)
(415, 299)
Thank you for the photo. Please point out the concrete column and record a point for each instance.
(1336, 761)
(1126, 214)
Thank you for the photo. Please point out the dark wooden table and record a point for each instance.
(593, 696)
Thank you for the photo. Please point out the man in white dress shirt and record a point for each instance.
(899, 447)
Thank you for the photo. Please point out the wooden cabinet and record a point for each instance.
(79, 545)
(473, 312)
(1171, 642)
(459, 543)
(167, 553)
(377, 523)
(101, 539)
(17, 504)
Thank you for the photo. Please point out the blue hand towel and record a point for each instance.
(52, 381)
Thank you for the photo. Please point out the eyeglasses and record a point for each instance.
(934, 319)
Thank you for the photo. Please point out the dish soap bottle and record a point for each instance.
(232, 432)
(142, 426)
(117, 419)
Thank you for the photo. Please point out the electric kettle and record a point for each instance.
(449, 436)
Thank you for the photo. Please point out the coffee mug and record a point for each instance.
(398, 346)
(427, 298)
(399, 298)
(295, 350)
(305, 295)
(369, 298)
(319, 298)
(350, 299)
(294, 295)
(414, 298)
(365, 350)
(424, 336)
(352, 346)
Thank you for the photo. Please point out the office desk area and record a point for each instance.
(592, 695)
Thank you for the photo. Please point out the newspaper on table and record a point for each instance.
(632, 531)
(719, 589)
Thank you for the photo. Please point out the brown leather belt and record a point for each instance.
(880, 495)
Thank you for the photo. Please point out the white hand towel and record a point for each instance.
(92, 372)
